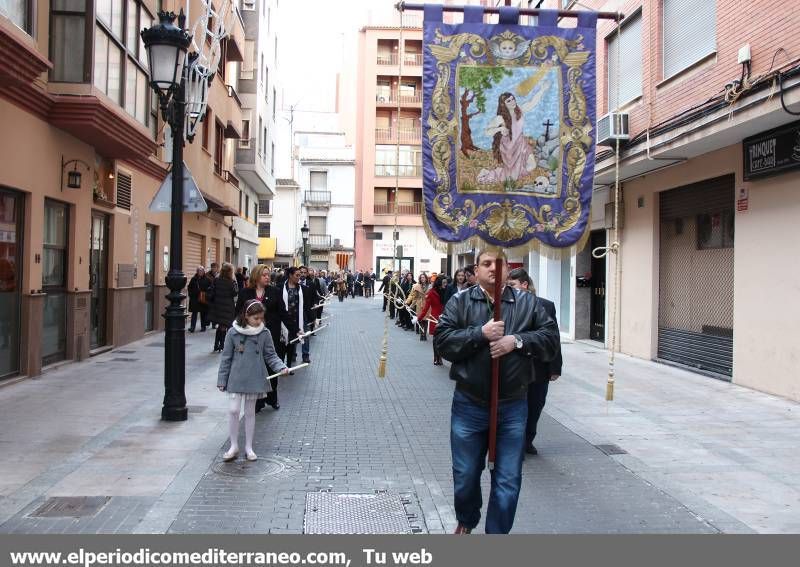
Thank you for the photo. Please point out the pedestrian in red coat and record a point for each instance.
(432, 310)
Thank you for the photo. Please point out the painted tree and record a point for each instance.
(474, 82)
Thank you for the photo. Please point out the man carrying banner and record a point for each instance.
(467, 336)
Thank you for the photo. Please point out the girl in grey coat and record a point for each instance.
(247, 354)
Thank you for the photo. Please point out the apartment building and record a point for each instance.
(258, 90)
(709, 178)
(388, 181)
(82, 258)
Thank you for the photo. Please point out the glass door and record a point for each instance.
(10, 274)
(54, 282)
(98, 279)
(149, 277)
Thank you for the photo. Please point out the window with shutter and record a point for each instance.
(689, 30)
(264, 230)
(124, 191)
(625, 63)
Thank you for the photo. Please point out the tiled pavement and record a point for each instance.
(340, 429)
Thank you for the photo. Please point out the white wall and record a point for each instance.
(286, 220)
(415, 245)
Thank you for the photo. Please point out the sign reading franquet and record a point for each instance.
(772, 152)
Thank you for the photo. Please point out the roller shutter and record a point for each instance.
(192, 254)
(695, 315)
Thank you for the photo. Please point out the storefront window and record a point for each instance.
(54, 282)
(10, 272)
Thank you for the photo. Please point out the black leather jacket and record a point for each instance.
(460, 340)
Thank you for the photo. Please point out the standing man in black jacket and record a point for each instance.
(468, 336)
(385, 283)
(544, 372)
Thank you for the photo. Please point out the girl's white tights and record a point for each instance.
(249, 422)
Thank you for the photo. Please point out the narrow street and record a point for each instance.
(650, 462)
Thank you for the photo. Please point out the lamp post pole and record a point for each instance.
(166, 46)
(174, 408)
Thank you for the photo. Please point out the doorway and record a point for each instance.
(54, 281)
(149, 277)
(597, 303)
(11, 216)
(98, 280)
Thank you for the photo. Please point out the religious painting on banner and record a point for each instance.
(508, 140)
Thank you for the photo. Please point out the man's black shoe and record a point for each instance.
(530, 449)
(306, 360)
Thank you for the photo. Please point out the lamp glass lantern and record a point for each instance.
(304, 231)
(74, 178)
(166, 46)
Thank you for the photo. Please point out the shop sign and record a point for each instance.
(772, 152)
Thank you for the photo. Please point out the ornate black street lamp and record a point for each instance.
(166, 46)
(304, 233)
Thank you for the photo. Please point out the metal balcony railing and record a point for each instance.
(385, 208)
(385, 97)
(318, 198)
(382, 170)
(319, 241)
(413, 59)
(230, 178)
(387, 59)
(403, 135)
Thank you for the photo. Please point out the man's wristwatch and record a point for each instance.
(517, 342)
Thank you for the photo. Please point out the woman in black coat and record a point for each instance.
(199, 283)
(272, 299)
(222, 310)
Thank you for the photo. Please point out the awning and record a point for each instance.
(266, 248)
(234, 51)
(231, 131)
(219, 207)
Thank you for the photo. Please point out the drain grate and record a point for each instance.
(612, 449)
(355, 513)
(157, 345)
(70, 507)
(120, 351)
(196, 409)
(124, 359)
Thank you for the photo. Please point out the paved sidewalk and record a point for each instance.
(92, 430)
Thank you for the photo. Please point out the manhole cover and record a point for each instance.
(612, 449)
(241, 467)
(70, 507)
(359, 513)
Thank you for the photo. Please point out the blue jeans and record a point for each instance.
(469, 442)
(307, 341)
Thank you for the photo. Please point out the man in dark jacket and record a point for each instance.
(385, 289)
(544, 372)
(468, 336)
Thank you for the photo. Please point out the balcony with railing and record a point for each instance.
(234, 95)
(319, 241)
(318, 199)
(403, 208)
(387, 59)
(230, 178)
(412, 59)
(388, 170)
(385, 97)
(394, 135)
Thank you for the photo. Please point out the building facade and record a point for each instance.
(388, 181)
(255, 155)
(82, 258)
(708, 184)
(326, 175)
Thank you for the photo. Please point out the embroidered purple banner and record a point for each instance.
(508, 129)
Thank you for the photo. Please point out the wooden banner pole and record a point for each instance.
(495, 391)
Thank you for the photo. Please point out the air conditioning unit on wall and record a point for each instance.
(612, 127)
